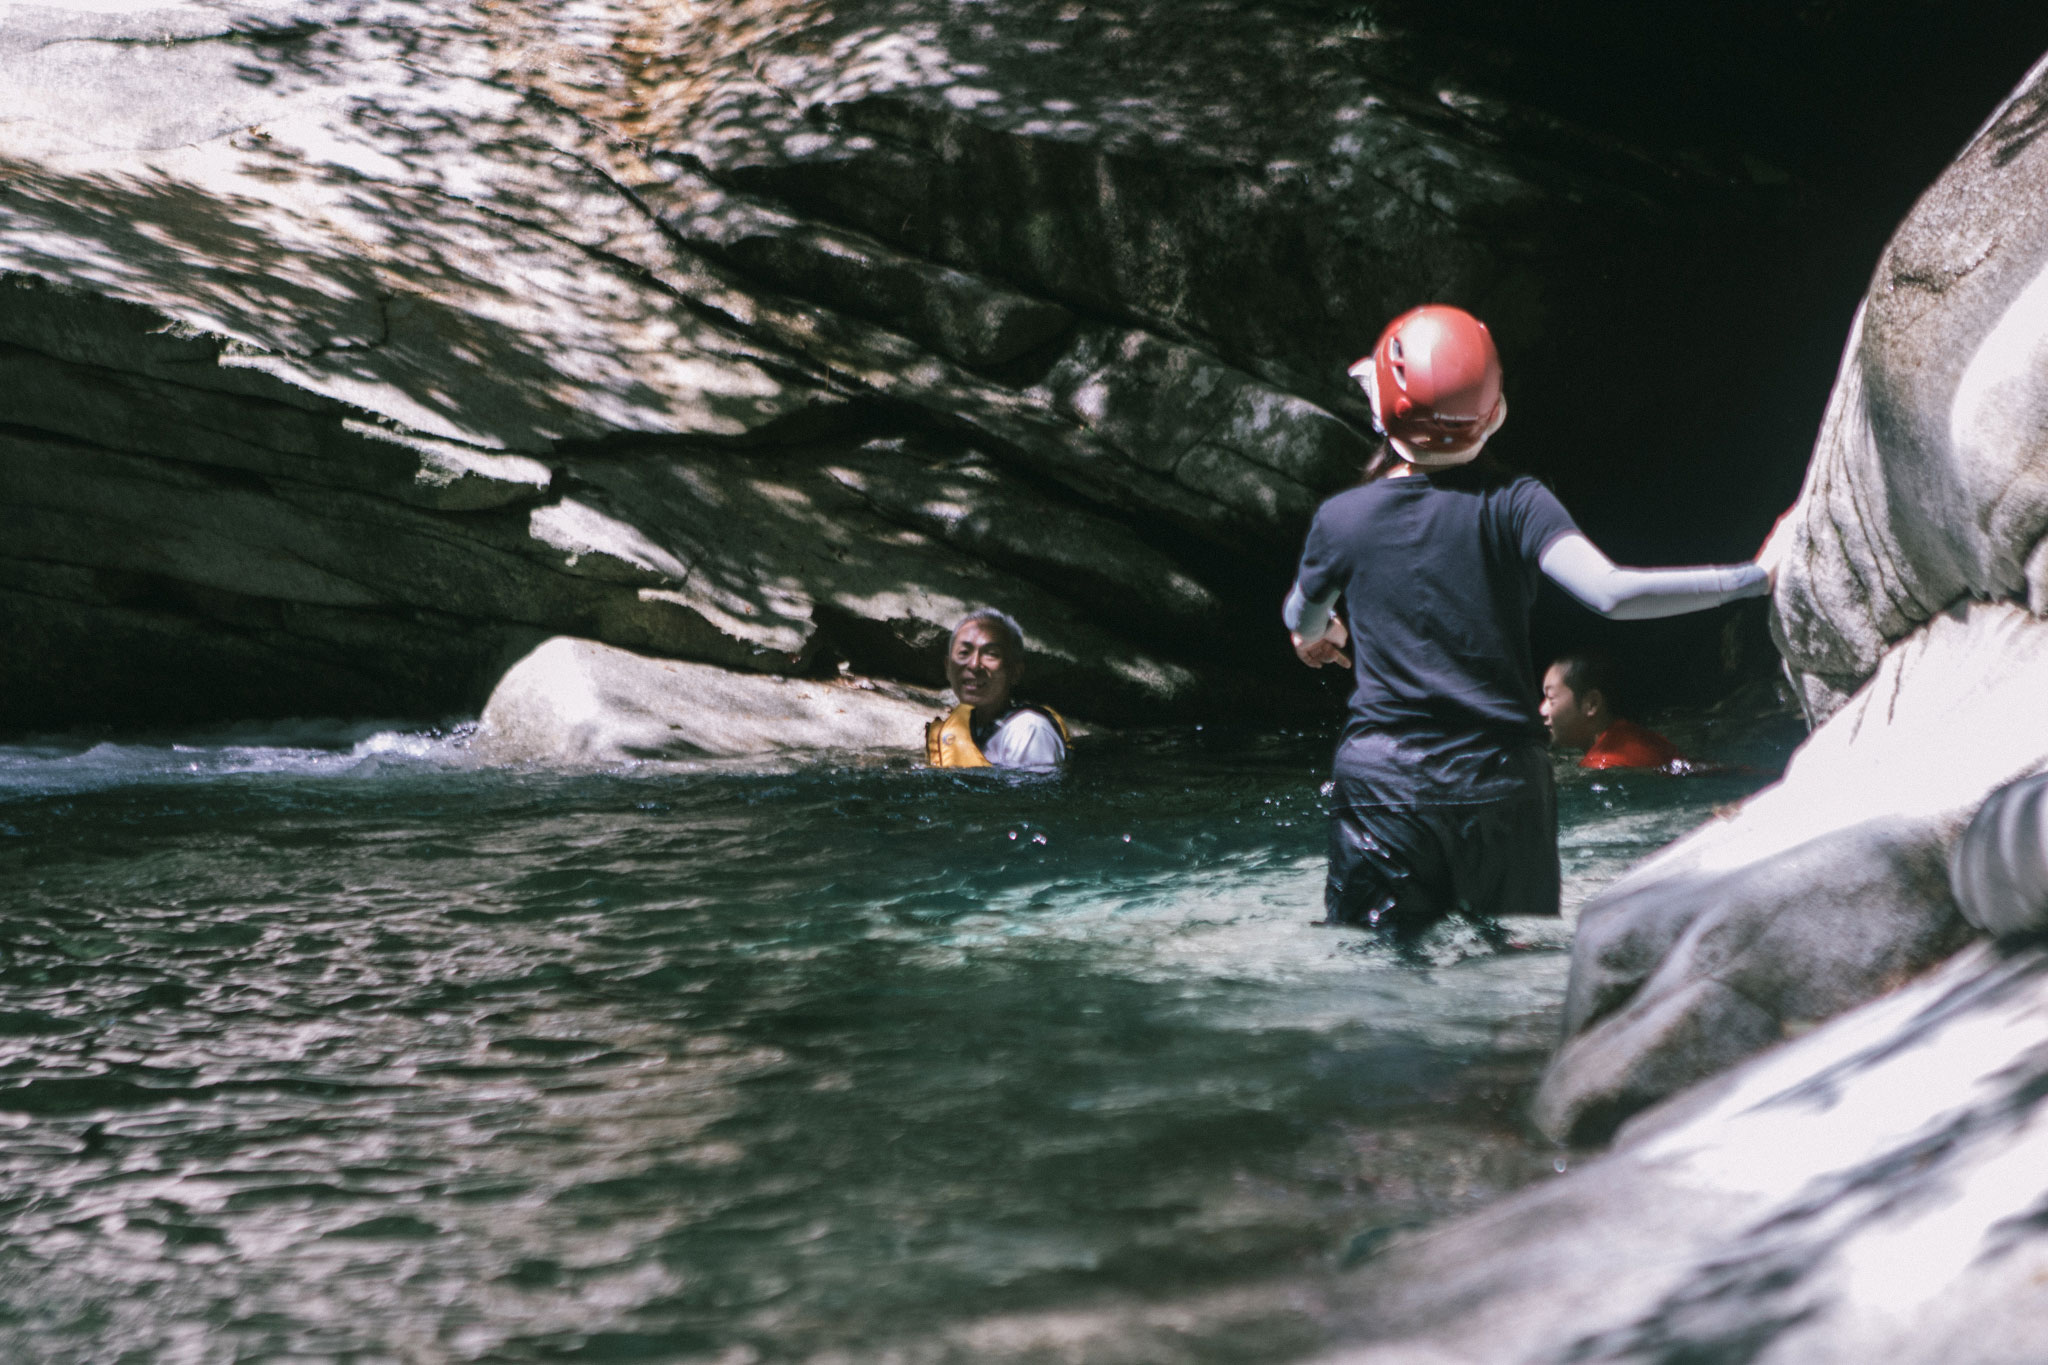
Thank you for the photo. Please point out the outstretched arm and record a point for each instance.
(1575, 564)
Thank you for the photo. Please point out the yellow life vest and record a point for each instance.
(949, 739)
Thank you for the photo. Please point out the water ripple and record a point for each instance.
(325, 1045)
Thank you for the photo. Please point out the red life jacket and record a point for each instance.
(1625, 744)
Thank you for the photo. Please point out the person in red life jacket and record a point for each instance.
(1442, 794)
(990, 728)
(1577, 706)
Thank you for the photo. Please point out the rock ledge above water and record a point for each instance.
(577, 702)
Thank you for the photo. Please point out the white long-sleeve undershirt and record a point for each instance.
(1308, 619)
(1576, 564)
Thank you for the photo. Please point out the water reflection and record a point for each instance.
(327, 1046)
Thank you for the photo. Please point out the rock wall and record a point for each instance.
(1929, 482)
(348, 349)
(1868, 1188)
(1904, 567)
(1820, 892)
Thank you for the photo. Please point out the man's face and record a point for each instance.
(1569, 717)
(982, 666)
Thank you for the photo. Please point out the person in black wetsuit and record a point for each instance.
(1442, 790)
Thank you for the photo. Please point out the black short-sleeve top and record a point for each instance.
(1438, 572)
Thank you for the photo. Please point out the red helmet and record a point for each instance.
(1435, 382)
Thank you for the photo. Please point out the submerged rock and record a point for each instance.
(579, 702)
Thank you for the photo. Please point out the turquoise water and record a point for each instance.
(321, 1044)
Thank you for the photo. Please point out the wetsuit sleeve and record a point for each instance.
(1317, 583)
(1575, 564)
(1026, 740)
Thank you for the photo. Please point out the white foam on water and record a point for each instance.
(1241, 943)
(1241, 939)
(303, 748)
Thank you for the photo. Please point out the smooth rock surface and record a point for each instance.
(578, 702)
(1871, 1192)
(1929, 481)
(1928, 493)
(1820, 892)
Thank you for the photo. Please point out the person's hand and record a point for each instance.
(1325, 649)
(1771, 556)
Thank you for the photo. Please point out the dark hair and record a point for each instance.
(1588, 670)
(1379, 462)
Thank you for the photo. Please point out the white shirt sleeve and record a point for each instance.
(1306, 618)
(1575, 564)
(1025, 739)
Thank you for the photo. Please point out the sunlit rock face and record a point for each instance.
(1929, 483)
(575, 702)
(1819, 893)
(1907, 607)
(1870, 1192)
(348, 350)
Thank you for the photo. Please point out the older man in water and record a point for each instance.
(990, 728)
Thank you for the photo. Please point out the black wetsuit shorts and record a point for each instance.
(1406, 867)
